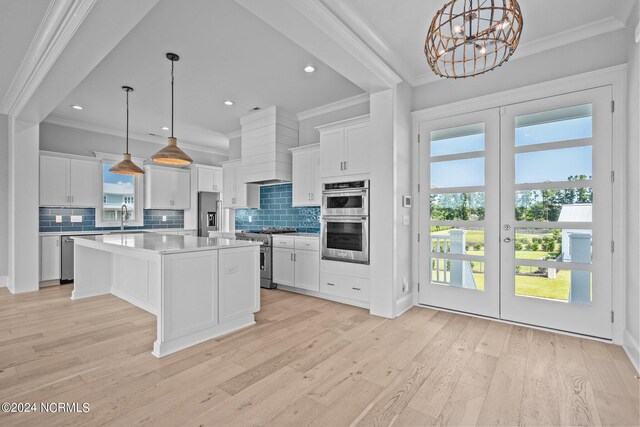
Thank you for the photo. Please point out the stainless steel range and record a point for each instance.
(266, 254)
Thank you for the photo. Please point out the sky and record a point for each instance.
(113, 178)
(538, 166)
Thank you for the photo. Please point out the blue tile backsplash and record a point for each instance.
(276, 211)
(152, 219)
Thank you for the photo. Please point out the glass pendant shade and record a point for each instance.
(126, 166)
(172, 154)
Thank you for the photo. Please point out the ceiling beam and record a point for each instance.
(74, 36)
(311, 25)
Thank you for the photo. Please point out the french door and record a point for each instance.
(518, 215)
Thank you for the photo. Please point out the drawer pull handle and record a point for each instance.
(356, 289)
(330, 284)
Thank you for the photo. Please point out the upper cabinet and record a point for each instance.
(237, 194)
(209, 178)
(344, 148)
(167, 188)
(69, 181)
(306, 176)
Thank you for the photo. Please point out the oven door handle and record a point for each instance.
(342, 193)
(345, 218)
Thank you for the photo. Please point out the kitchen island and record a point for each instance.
(199, 288)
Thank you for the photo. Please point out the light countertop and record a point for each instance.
(104, 232)
(162, 243)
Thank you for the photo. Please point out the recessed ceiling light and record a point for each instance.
(165, 128)
(228, 102)
(77, 107)
(309, 69)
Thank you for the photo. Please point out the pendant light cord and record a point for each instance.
(127, 139)
(172, 98)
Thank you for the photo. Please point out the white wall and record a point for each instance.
(69, 140)
(632, 334)
(403, 175)
(308, 134)
(235, 148)
(4, 197)
(587, 55)
(24, 183)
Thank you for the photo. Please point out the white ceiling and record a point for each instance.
(225, 53)
(19, 21)
(400, 27)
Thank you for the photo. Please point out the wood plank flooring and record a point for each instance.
(305, 362)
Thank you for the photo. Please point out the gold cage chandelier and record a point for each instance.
(471, 37)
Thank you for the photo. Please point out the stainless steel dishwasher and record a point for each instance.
(66, 257)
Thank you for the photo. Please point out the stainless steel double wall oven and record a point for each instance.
(345, 221)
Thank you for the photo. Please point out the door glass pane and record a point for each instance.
(553, 165)
(461, 139)
(566, 204)
(118, 190)
(458, 240)
(563, 124)
(457, 273)
(557, 245)
(457, 206)
(571, 286)
(457, 173)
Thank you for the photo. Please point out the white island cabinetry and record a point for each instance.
(199, 288)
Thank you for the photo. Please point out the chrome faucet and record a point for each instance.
(124, 213)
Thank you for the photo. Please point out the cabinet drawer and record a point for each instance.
(283, 242)
(307, 243)
(345, 286)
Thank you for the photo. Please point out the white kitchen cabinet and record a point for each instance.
(209, 178)
(167, 188)
(296, 262)
(306, 176)
(307, 270)
(344, 148)
(237, 194)
(282, 266)
(67, 181)
(49, 258)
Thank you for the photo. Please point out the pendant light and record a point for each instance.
(471, 37)
(171, 154)
(126, 166)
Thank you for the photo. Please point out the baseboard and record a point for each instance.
(404, 304)
(632, 349)
(4, 281)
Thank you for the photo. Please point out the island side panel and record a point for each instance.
(137, 280)
(92, 272)
(188, 312)
(239, 283)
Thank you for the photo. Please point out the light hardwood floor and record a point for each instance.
(305, 362)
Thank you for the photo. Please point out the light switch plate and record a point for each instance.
(164, 218)
(76, 218)
(58, 219)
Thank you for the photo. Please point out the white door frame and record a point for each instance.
(614, 76)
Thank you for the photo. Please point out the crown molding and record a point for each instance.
(132, 135)
(321, 16)
(59, 24)
(552, 41)
(235, 134)
(333, 106)
(623, 11)
(367, 33)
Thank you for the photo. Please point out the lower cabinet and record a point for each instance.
(294, 266)
(49, 258)
(346, 280)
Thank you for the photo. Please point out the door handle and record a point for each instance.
(341, 166)
(507, 227)
(356, 289)
(507, 239)
(345, 165)
(330, 284)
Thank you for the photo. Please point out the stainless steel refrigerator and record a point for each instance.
(209, 213)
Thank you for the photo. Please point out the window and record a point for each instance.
(118, 191)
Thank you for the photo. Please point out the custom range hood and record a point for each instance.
(267, 136)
